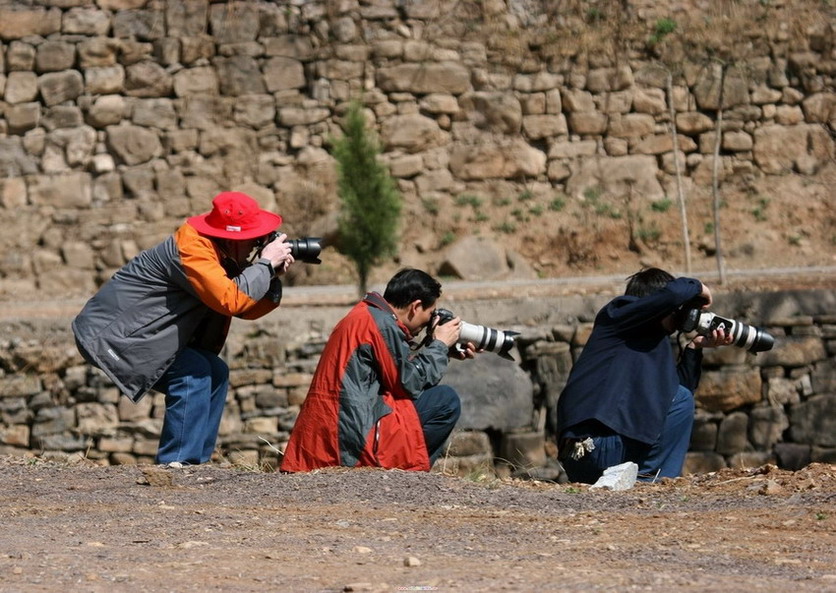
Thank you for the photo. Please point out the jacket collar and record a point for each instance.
(374, 299)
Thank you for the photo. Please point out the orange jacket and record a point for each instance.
(359, 410)
(174, 295)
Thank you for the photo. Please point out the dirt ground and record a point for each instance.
(211, 528)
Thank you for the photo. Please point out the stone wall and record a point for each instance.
(778, 406)
(119, 118)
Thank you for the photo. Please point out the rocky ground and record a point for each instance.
(85, 528)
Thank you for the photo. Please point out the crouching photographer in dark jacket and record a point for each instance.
(627, 398)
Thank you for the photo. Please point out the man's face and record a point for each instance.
(240, 250)
(418, 316)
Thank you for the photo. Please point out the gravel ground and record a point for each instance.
(211, 528)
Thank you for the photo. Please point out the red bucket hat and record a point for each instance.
(235, 215)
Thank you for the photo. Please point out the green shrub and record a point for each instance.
(662, 205)
(662, 29)
(371, 203)
(557, 204)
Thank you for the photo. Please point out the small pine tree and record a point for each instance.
(371, 203)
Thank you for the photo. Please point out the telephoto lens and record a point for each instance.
(306, 249)
(488, 338)
(484, 338)
(754, 339)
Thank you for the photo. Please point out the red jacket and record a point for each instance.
(359, 410)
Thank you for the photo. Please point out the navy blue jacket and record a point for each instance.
(626, 375)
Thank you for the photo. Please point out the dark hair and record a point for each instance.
(410, 284)
(647, 281)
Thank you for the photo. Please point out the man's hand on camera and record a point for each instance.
(448, 332)
(278, 252)
(463, 351)
(717, 338)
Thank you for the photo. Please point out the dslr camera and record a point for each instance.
(754, 339)
(306, 249)
(484, 338)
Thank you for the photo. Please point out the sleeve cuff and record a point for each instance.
(266, 262)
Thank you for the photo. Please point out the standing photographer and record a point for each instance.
(162, 319)
(626, 398)
(373, 401)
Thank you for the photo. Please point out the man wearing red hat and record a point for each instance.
(162, 319)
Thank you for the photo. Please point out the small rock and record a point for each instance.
(411, 561)
(771, 488)
(618, 477)
(155, 476)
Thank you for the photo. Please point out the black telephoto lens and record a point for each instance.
(306, 249)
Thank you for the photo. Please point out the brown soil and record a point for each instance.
(765, 222)
(210, 528)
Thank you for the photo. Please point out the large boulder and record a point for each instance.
(495, 393)
(474, 258)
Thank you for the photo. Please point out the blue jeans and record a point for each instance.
(439, 409)
(195, 387)
(662, 459)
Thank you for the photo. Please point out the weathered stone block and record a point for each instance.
(133, 144)
(495, 111)
(781, 391)
(54, 55)
(15, 435)
(702, 463)
(239, 75)
(154, 113)
(66, 190)
(514, 160)
(767, 426)
(261, 425)
(186, 17)
(693, 123)
(23, 117)
(814, 421)
(631, 125)
(234, 23)
(147, 79)
(588, 123)
(57, 87)
(751, 459)
(732, 434)
(17, 22)
(777, 148)
(523, 449)
(96, 419)
(729, 389)
(21, 87)
(53, 420)
(794, 352)
(792, 456)
(104, 80)
(703, 434)
(425, 78)
(616, 176)
(707, 89)
(537, 127)
(469, 442)
(85, 21)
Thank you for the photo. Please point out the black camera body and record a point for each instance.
(694, 319)
(484, 338)
(306, 249)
